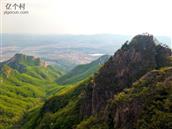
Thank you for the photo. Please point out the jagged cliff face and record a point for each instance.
(127, 65)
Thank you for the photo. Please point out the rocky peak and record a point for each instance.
(133, 60)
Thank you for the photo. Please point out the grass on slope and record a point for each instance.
(20, 92)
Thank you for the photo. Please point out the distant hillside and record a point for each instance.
(24, 82)
(83, 71)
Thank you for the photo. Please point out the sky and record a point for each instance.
(90, 17)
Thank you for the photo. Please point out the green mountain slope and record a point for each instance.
(61, 111)
(131, 91)
(25, 82)
(83, 71)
